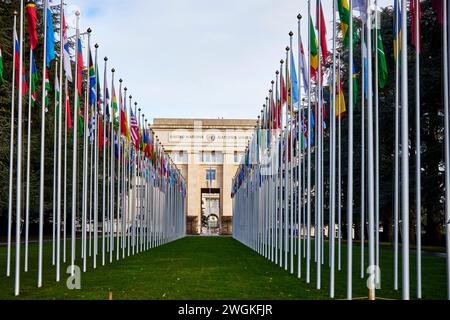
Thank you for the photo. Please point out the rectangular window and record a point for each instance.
(210, 174)
(236, 157)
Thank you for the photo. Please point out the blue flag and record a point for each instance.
(50, 43)
(294, 82)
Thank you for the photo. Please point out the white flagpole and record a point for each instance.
(363, 154)
(66, 98)
(370, 149)
(19, 157)
(447, 138)
(396, 146)
(55, 158)
(111, 211)
(119, 161)
(331, 224)
(85, 154)
(104, 162)
(75, 150)
(95, 149)
(11, 152)
(377, 151)
(350, 163)
(405, 158)
(308, 197)
(27, 192)
(339, 184)
(286, 168)
(59, 162)
(42, 167)
(418, 162)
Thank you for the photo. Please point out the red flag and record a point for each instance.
(415, 14)
(69, 116)
(283, 89)
(30, 9)
(323, 33)
(80, 67)
(100, 133)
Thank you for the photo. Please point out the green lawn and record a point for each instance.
(211, 268)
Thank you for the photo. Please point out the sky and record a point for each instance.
(194, 58)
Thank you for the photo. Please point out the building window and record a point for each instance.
(236, 157)
(210, 174)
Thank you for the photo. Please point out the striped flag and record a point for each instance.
(134, 130)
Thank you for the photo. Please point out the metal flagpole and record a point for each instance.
(339, 184)
(85, 154)
(75, 151)
(42, 164)
(363, 153)
(447, 138)
(396, 146)
(418, 160)
(104, 162)
(286, 168)
(59, 162)
(318, 235)
(19, 157)
(119, 159)
(350, 163)
(405, 158)
(370, 149)
(55, 158)
(377, 151)
(95, 150)
(308, 197)
(66, 98)
(331, 224)
(111, 215)
(27, 192)
(290, 108)
(11, 153)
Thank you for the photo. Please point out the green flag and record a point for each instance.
(1, 67)
(382, 66)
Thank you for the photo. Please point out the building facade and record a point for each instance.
(207, 152)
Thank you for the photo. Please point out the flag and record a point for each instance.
(66, 54)
(323, 32)
(366, 76)
(294, 83)
(114, 109)
(134, 130)
(100, 133)
(80, 67)
(127, 131)
(57, 93)
(98, 88)
(355, 84)
(80, 120)
(382, 66)
(47, 89)
(30, 9)
(50, 41)
(415, 14)
(361, 6)
(303, 66)
(123, 123)
(313, 51)
(1, 67)
(344, 16)
(107, 102)
(340, 97)
(69, 116)
(34, 79)
(17, 67)
(397, 29)
(283, 89)
(92, 79)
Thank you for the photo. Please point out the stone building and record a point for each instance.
(207, 152)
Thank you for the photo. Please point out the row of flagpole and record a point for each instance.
(278, 163)
(142, 192)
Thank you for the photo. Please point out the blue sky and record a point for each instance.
(195, 58)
